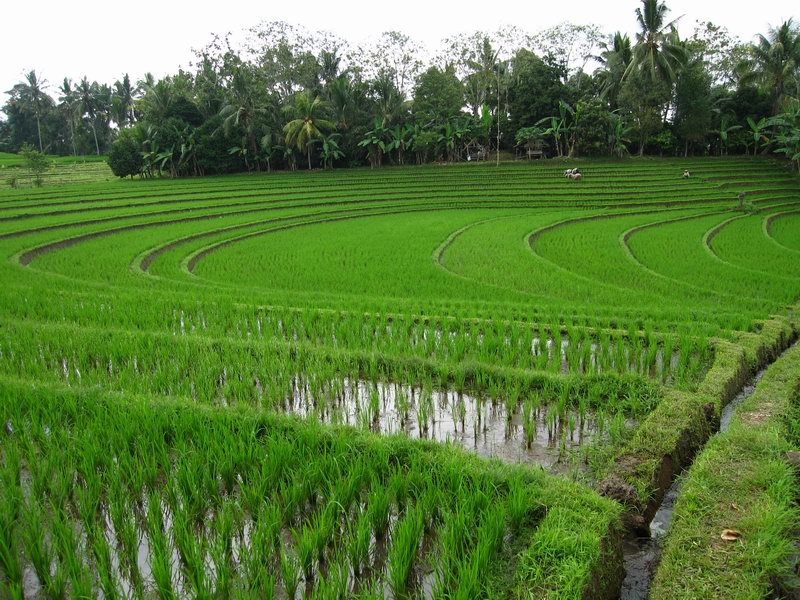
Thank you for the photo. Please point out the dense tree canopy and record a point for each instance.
(287, 98)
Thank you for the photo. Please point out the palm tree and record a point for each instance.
(122, 101)
(69, 109)
(776, 60)
(88, 100)
(480, 81)
(240, 109)
(32, 96)
(615, 58)
(342, 98)
(389, 102)
(658, 51)
(157, 100)
(308, 120)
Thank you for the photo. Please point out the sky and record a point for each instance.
(103, 40)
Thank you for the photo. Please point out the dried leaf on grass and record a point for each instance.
(731, 535)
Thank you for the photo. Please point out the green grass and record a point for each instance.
(741, 481)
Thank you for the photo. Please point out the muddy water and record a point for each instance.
(539, 434)
(642, 554)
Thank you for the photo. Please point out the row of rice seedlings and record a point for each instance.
(191, 506)
(513, 345)
(227, 372)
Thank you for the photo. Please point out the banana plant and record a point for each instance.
(724, 131)
(561, 129)
(400, 138)
(618, 135)
(757, 130)
(787, 137)
(374, 142)
(330, 149)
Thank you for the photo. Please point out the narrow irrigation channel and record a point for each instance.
(642, 554)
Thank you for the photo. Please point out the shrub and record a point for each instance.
(124, 158)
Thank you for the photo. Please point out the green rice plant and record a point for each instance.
(103, 564)
(378, 505)
(38, 551)
(9, 555)
(160, 559)
(70, 555)
(406, 538)
(529, 421)
(360, 535)
(516, 506)
(290, 573)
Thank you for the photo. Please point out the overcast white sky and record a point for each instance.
(104, 39)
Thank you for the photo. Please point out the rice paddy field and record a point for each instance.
(62, 170)
(459, 381)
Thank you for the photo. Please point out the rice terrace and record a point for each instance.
(263, 342)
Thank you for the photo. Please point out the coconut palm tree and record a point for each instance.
(89, 103)
(122, 101)
(241, 110)
(658, 51)
(68, 106)
(33, 98)
(308, 122)
(776, 59)
(615, 58)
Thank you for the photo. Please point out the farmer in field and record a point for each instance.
(686, 174)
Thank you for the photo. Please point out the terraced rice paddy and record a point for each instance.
(63, 170)
(275, 384)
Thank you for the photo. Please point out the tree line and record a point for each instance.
(289, 99)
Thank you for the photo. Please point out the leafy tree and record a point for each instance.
(693, 104)
(438, 96)
(394, 56)
(534, 91)
(592, 120)
(721, 53)
(36, 162)
(569, 46)
(125, 156)
(642, 100)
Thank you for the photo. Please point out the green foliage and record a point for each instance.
(125, 156)
(36, 163)
(438, 95)
(592, 121)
